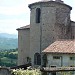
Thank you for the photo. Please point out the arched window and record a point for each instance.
(38, 12)
(37, 59)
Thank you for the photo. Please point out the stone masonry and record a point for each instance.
(54, 24)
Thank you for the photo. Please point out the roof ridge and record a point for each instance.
(24, 27)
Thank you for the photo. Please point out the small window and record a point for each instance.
(38, 15)
(56, 57)
(71, 58)
(53, 66)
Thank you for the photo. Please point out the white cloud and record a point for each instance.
(10, 3)
(10, 31)
(14, 10)
(12, 23)
(14, 7)
(10, 26)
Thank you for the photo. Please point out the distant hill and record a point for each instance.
(8, 41)
(6, 35)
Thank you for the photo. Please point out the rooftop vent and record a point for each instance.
(59, 1)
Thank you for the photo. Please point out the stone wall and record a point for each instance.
(63, 22)
(73, 29)
(23, 46)
(54, 24)
(34, 33)
(48, 35)
(5, 71)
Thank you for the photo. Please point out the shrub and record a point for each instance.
(26, 72)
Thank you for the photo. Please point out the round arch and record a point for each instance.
(37, 59)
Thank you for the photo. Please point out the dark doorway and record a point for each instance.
(53, 73)
(37, 59)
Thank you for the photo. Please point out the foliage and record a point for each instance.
(26, 72)
(8, 58)
(67, 73)
(38, 72)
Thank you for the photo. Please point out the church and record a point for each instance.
(49, 40)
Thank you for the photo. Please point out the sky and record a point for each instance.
(15, 14)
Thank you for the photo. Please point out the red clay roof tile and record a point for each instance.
(61, 46)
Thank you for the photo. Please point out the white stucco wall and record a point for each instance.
(64, 60)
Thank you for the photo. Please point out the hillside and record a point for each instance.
(8, 41)
(8, 58)
(6, 35)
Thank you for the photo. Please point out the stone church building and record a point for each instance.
(49, 39)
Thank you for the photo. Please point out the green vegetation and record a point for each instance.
(26, 72)
(67, 73)
(8, 58)
(37, 72)
(8, 43)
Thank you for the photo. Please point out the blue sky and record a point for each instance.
(15, 13)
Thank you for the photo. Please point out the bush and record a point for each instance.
(26, 72)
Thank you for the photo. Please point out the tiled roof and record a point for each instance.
(24, 27)
(61, 46)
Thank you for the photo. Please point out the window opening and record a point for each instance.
(38, 12)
